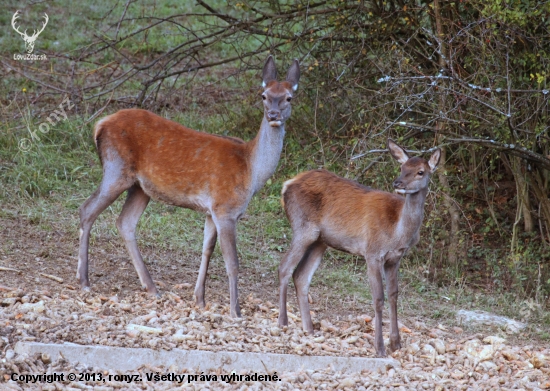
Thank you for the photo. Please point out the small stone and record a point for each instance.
(275, 331)
(488, 365)
(132, 333)
(125, 307)
(509, 355)
(494, 340)
(439, 346)
(9, 301)
(479, 352)
(538, 360)
(428, 349)
(347, 382)
(457, 330)
(10, 354)
(46, 359)
(451, 347)
(143, 329)
(320, 339)
(35, 307)
(179, 336)
(327, 326)
(413, 348)
(457, 375)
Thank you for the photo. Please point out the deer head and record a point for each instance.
(29, 40)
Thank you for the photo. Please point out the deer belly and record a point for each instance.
(179, 194)
(348, 244)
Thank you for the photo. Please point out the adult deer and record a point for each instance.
(153, 157)
(328, 211)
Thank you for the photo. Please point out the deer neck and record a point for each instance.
(413, 212)
(265, 153)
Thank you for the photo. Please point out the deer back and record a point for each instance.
(172, 163)
(348, 215)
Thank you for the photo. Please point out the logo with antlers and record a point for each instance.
(29, 40)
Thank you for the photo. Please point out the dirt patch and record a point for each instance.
(34, 253)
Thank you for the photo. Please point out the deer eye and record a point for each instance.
(289, 99)
(420, 172)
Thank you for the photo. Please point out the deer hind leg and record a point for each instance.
(298, 251)
(112, 185)
(377, 291)
(136, 202)
(228, 243)
(302, 279)
(390, 269)
(209, 243)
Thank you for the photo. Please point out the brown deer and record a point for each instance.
(152, 157)
(326, 210)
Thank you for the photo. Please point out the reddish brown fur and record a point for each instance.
(279, 88)
(174, 159)
(344, 207)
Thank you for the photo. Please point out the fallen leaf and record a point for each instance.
(185, 285)
(405, 329)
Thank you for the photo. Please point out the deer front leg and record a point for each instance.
(226, 230)
(209, 243)
(377, 291)
(390, 269)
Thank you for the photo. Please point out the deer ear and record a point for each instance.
(397, 152)
(293, 75)
(434, 159)
(270, 72)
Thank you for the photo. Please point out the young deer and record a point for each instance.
(328, 211)
(153, 157)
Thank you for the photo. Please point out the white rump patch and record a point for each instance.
(285, 185)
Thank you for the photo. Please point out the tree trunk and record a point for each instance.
(522, 187)
(540, 190)
(452, 255)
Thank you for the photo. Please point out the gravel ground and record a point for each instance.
(432, 358)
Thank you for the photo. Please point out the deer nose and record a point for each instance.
(397, 184)
(272, 115)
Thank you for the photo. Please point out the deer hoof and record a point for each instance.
(200, 302)
(395, 346)
(152, 292)
(381, 353)
(283, 322)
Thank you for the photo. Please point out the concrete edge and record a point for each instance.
(129, 359)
